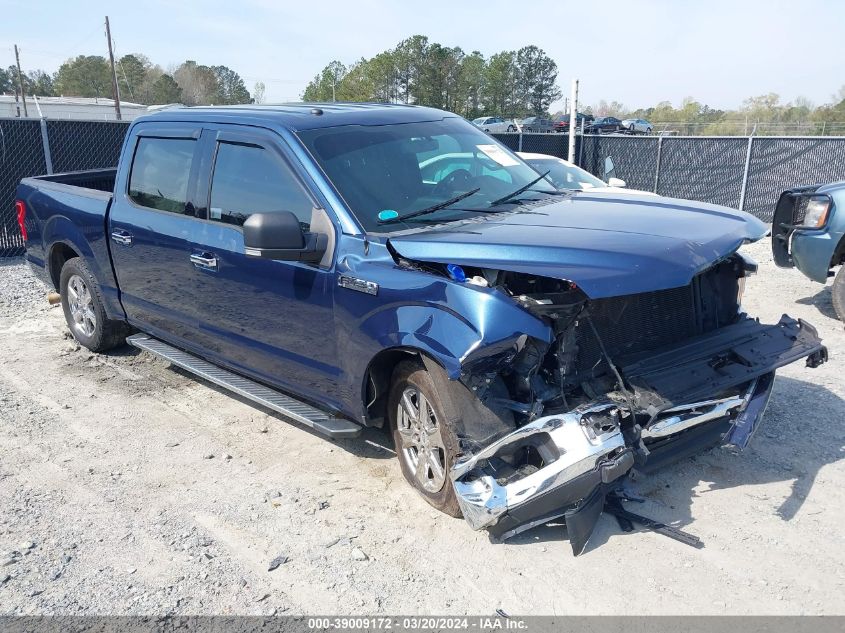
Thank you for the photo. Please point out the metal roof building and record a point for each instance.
(88, 108)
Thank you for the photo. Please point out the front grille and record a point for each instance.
(635, 323)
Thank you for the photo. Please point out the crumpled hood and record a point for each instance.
(608, 244)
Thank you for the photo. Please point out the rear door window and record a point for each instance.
(160, 173)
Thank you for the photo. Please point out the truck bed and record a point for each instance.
(95, 179)
(66, 214)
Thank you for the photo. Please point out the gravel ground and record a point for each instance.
(128, 488)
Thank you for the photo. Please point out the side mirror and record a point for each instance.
(279, 236)
(615, 182)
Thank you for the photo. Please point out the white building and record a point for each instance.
(90, 108)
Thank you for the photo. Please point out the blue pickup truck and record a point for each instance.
(808, 233)
(525, 346)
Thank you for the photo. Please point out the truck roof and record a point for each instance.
(303, 116)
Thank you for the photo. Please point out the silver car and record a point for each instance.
(637, 126)
(494, 124)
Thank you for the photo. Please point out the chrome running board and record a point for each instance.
(316, 419)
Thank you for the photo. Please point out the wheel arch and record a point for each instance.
(60, 253)
(838, 253)
(379, 376)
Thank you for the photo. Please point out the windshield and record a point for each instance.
(479, 120)
(387, 171)
(565, 176)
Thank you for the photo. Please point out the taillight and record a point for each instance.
(20, 210)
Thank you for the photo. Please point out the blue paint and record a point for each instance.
(814, 250)
(387, 214)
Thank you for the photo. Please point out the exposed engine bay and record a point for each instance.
(634, 380)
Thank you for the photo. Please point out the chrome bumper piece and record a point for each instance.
(568, 445)
(572, 445)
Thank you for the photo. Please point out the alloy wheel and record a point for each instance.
(422, 446)
(81, 305)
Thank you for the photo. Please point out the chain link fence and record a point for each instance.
(29, 147)
(21, 155)
(747, 173)
(555, 144)
(776, 164)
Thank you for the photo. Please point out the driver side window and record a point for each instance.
(251, 179)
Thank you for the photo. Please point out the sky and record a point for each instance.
(636, 52)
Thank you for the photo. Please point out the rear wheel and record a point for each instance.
(82, 303)
(838, 293)
(425, 444)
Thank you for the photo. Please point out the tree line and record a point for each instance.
(418, 71)
(139, 80)
(763, 114)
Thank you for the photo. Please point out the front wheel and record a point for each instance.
(425, 444)
(511, 128)
(838, 293)
(82, 303)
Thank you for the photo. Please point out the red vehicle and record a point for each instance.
(561, 123)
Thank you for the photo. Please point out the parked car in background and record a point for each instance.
(637, 126)
(537, 124)
(525, 347)
(561, 123)
(494, 124)
(565, 175)
(808, 233)
(604, 125)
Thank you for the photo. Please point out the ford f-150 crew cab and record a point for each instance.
(525, 346)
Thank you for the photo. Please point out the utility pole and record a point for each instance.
(115, 89)
(20, 81)
(573, 107)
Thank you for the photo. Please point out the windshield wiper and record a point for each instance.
(522, 189)
(432, 208)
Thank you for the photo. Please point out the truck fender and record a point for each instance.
(444, 335)
(61, 230)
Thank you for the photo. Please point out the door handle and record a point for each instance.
(121, 237)
(204, 260)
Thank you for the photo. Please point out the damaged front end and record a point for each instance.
(635, 380)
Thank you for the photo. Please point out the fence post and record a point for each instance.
(657, 170)
(520, 141)
(45, 143)
(745, 173)
(581, 152)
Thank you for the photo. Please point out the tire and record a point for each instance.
(83, 305)
(648, 130)
(413, 386)
(838, 293)
(511, 128)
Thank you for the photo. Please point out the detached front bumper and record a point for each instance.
(584, 450)
(578, 458)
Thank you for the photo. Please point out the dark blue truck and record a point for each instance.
(352, 265)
